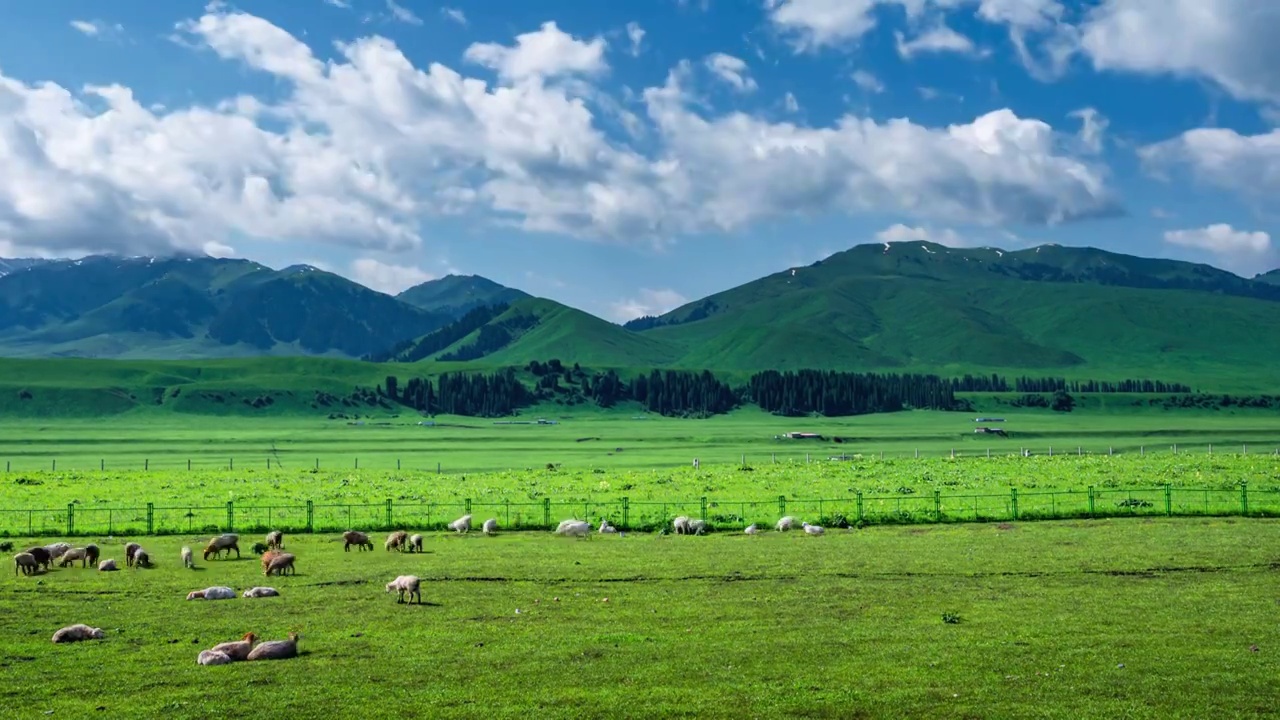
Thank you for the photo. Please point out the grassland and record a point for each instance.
(1089, 619)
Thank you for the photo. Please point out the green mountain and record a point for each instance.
(1270, 278)
(456, 295)
(189, 307)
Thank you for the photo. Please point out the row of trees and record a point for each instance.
(997, 383)
(840, 393)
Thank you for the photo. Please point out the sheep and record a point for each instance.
(213, 657)
(259, 548)
(461, 525)
(6, 546)
(187, 560)
(57, 550)
(276, 649)
(281, 565)
(91, 554)
(129, 550)
(218, 592)
(261, 592)
(396, 540)
(606, 528)
(406, 584)
(359, 539)
(41, 555)
(268, 556)
(680, 525)
(107, 565)
(275, 540)
(786, 523)
(697, 526)
(141, 559)
(812, 529)
(415, 543)
(76, 633)
(71, 556)
(227, 542)
(490, 526)
(752, 529)
(576, 528)
(26, 562)
(237, 650)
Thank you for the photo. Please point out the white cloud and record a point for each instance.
(454, 14)
(97, 28)
(1093, 126)
(635, 34)
(813, 24)
(1246, 164)
(867, 81)
(903, 233)
(1236, 250)
(402, 13)
(546, 52)
(1229, 42)
(937, 39)
(213, 248)
(732, 71)
(790, 103)
(339, 4)
(386, 278)
(649, 302)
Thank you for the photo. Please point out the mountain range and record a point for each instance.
(910, 306)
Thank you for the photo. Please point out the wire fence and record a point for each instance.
(855, 511)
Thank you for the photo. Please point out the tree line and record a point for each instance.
(1025, 384)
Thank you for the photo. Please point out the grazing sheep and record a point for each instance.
(606, 528)
(76, 633)
(6, 546)
(237, 650)
(227, 542)
(26, 562)
(268, 556)
(213, 657)
(786, 523)
(282, 564)
(697, 526)
(57, 550)
(574, 528)
(680, 525)
(461, 525)
(812, 529)
(406, 584)
(276, 649)
(107, 565)
(91, 554)
(187, 560)
(217, 592)
(71, 556)
(259, 548)
(129, 550)
(359, 539)
(141, 559)
(396, 540)
(490, 526)
(275, 540)
(752, 529)
(261, 592)
(415, 543)
(41, 555)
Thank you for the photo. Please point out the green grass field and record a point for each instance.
(1084, 619)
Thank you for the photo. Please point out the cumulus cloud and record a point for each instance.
(937, 39)
(1237, 250)
(904, 233)
(867, 81)
(359, 149)
(635, 34)
(387, 278)
(649, 302)
(213, 248)
(454, 14)
(732, 71)
(1223, 158)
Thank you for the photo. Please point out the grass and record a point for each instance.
(1092, 619)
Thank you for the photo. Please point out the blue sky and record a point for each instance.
(625, 157)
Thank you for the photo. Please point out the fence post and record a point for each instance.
(231, 463)
(397, 463)
(546, 512)
(467, 502)
(357, 463)
(437, 467)
(389, 520)
(1211, 448)
(1244, 449)
(1244, 497)
(773, 458)
(626, 513)
(937, 505)
(317, 463)
(1050, 451)
(231, 524)
(782, 505)
(1168, 500)
(71, 518)
(55, 465)
(1091, 502)
(151, 519)
(917, 453)
(1175, 448)
(1142, 451)
(704, 508)
(102, 464)
(1013, 496)
(188, 463)
(311, 515)
(860, 516)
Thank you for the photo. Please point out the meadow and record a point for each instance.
(1133, 618)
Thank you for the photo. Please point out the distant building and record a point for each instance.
(984, 419)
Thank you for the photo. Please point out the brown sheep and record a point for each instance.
(227, 542)
(396, 540)
(276, 649)
(129, 550)
(238, 650)
(268, 556)
(26, 562)
(71, 556)
(41, 555)
(359, 539)
(275, 540)
(281, 565)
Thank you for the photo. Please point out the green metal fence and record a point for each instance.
(648, 515)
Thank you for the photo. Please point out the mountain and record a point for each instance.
(1270, 278)
(8, 266)
(456, 295)
(191, 307)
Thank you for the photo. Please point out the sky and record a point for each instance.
(627, 157)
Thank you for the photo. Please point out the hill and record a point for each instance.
(188, 307)
(456, 295)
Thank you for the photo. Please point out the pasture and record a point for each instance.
(1134, 618)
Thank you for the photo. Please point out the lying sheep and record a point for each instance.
(76, 633)
(461, 525)
(490, 526)
(129, 550)
(275, 540)
(71, 556)
(812, 529)
(91, 553)
(752, 529)
(276, 649)
(786, 523)
(225, 542)
(41, 555)
(606, 528)
(261, 592)
(282, 564)
(406, 584)
(574, 528)
(415, 543)
(218, 592)
(359, 539)
(187, 560)
(213, 657)
(107, 565)
(396, 540)
(26, 562)
(237, 650)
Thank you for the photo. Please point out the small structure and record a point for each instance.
(987, 419)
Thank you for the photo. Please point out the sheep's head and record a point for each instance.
(249, 638)
(195, 595)
(95, 633)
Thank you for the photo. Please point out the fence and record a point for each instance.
(935, 507)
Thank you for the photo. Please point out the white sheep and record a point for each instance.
(187, 560)
(461, 525)
(680, 525)
(406, 584)
(76, 633)
(812, 529)
(213, 657)
(261, 592)
(752, 529)
(107, 565)
(606, 528)
(26, 562)
(415, 543)
(697, 526)
(218, 592)
(490, 526)
(56, 550)
(574, 528)
(786, 523)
